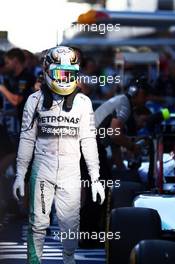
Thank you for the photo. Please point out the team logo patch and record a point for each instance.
(62, 131)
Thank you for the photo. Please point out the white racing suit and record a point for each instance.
(53, 140)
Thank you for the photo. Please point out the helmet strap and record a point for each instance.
(48, 98)
(68, 100)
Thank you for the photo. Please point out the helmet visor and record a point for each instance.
(65, 76)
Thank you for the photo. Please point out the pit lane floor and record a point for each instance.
(13, 246)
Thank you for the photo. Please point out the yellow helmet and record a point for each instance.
(61, 67)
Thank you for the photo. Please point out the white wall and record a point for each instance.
(33, 24)
(136, 5)
(117, 5)
(147, 5)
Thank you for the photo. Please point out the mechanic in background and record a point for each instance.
(19, 82)
(117, 114)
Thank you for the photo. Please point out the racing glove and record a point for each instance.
(18, 185)
(97, 190)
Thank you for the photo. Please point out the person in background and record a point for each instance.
(19, 82)
(116, 114)
(86, 83)
(32, 63)
(2, 63)
(108, 90)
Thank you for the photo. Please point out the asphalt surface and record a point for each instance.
(13, 246)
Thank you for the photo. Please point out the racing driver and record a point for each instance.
(57, 121)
